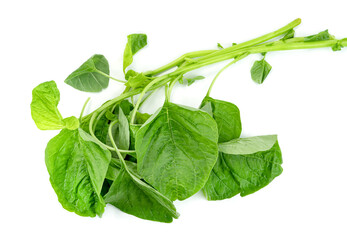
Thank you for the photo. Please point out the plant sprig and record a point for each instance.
(141, 163)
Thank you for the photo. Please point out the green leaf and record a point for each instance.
(248, 145)
(134, 44)
(176, 149)
(289, 34)
(133, 196)
(227, 116)
(44, 110)
(141, 118)
(137, 81)
(123, 132)
(91, 76)
(77, 168)
(324, 35)
(260, 70)
(251, 165)
(337, 47)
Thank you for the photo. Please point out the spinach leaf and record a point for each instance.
(134, 44)
(244, 166)
(133, 196)
(44, 108)
(176, 149)
(91, 76)
(227, 116)
(324, 35)
(260, 70)
(77, 167)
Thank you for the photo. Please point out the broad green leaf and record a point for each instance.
(227, 116)
(244, 173)
(91, 76)
(176, 149)
(134, 44)
(133, 196)
(44, 108)
(137, 81)
(260, 70)
(141, 118)
(289, 34)
(324, 35)
(248, 145)
(77, 168)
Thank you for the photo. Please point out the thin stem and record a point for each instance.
(114, 144)
(178, 61)
(167, 95)
(106, 75)
(142, 94)
(172, 85)
(225, 67)
(148, 96)
(83, 108)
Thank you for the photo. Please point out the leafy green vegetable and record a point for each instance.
(77, 168)
(227, 116)
(44, 110)
(176, 150)
(134, 44)
(135, 197)
(244, 166)
(139, 162)
(91, 76)
(260, 70)
(322, 36)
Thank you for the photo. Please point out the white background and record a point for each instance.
(303, 100)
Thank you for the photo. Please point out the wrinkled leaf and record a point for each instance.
(134, 44)
(176, 149)
(227, 116)
(77, 168)
(44, 110)
(133, 196)
(90, 76)
(244, 173)
(260, 70)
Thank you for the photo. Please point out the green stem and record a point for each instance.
(83, 108)
(178, 61)
(172, 85)
(225, 67)
(106, 75)
(142, 94)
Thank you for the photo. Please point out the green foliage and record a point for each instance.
(321, 36)
(227, 116)
(244, 166)
(91, 76)
(176, 150)
(134, 44)
(77, 168)
(44, 108)
(260, 70)
(133, 196)
(139, 162)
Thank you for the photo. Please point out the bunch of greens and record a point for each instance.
(141, 163)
